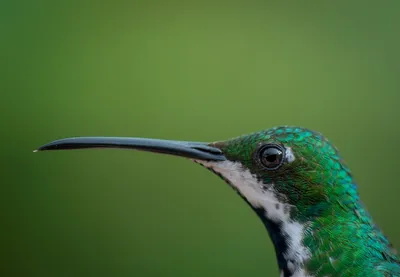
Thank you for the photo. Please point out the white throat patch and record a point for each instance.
(261, 196)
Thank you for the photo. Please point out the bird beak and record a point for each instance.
(191, 150)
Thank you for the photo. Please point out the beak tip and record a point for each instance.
(41, 149)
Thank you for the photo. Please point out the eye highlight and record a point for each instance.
(271, 156)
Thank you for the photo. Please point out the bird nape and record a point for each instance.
(298, 184)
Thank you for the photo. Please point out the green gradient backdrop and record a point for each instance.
(182, 71)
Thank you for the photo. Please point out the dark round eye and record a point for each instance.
(271, 156)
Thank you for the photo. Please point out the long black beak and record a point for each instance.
(192, 150)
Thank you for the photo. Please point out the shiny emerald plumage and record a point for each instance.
(340, 234)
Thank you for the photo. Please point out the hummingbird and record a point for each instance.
(299, 186)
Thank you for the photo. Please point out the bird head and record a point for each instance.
(288, 172)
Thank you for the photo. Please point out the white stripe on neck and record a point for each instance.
(264, 196)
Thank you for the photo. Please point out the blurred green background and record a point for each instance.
(189, 71)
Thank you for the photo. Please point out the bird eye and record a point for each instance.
(271, 156)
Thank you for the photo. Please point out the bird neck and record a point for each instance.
(345, 241)
(333, 235)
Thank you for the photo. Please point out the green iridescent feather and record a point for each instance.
(340, 234)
